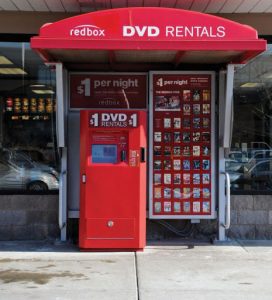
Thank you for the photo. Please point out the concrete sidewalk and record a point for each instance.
(165, 270)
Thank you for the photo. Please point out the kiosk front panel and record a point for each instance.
(113, 179)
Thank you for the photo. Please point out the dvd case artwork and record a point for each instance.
(206, 123)
(157, 207)
(196, 109)
(186, 193)
(157, 150)
(167, 193)
(186, 137)
(177, 164)
(177, 138)
(167, 165)
(157, 165)
(186, 95)
(176, 151)
(186, 123)
(186, 178)
(206, 95)
(177, 207)
(206, 109)
(177, 178)
(167, 178)
(196, 150)
(196, 193)
(196, 178)
(196, 123)
(186, 206)
(157, 179)
(196, 164)
(167, 103)
(206, 136)
(167, 206)
(206, 178)
(206, 164)
(167, 137)
(206, 193)
(157, 136)
(196, 136)
(186, 109)
(157, 193)
(167, 151)
(206, 150)
(196, 206)
(167, 122)
(186, 164)
(206, 207)
(186, 151)
(196, 95)
(177, 193)
(177, 123)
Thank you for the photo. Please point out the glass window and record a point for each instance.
(250, 159)
(28, 153)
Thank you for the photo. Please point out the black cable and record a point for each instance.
(184, 232)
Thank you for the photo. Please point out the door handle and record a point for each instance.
(83, 179)
(227, 204)
(123, 155)
(143, 156)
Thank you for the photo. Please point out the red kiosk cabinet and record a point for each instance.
(113, 179)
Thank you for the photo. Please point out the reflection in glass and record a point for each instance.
(28, 152)
(249, 162)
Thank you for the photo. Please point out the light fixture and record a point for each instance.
(43, 92)
(5, 61)
(37, 85)
(12, 71)
(251, 85)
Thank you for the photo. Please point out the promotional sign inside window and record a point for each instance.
(182, 145)
(126, 91)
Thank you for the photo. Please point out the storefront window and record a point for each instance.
(28, 155)
(250, 159)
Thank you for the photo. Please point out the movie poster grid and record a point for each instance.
(182, 153)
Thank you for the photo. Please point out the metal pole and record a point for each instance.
(60, 130)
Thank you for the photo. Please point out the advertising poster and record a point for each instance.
(126, 91)
(182, 162)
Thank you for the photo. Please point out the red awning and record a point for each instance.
(156, 35)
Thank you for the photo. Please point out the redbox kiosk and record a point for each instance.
(113, 179)
(189, 118)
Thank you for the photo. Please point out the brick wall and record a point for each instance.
(251, 217)
(35, 217)
(28, 217)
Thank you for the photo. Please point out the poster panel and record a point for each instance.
(182, 153)
(108, 90)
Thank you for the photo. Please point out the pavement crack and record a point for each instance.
(137, 276)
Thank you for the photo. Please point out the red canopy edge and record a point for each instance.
(145, 28)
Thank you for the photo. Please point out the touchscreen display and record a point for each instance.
(104, 154)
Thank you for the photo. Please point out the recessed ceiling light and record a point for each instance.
(43, 92)
(37, 85)
(251, 85)
(12, 71)
(5, 61)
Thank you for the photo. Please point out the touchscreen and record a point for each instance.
(104, 154)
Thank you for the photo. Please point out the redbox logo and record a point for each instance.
(150, 31)
(87, 30)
